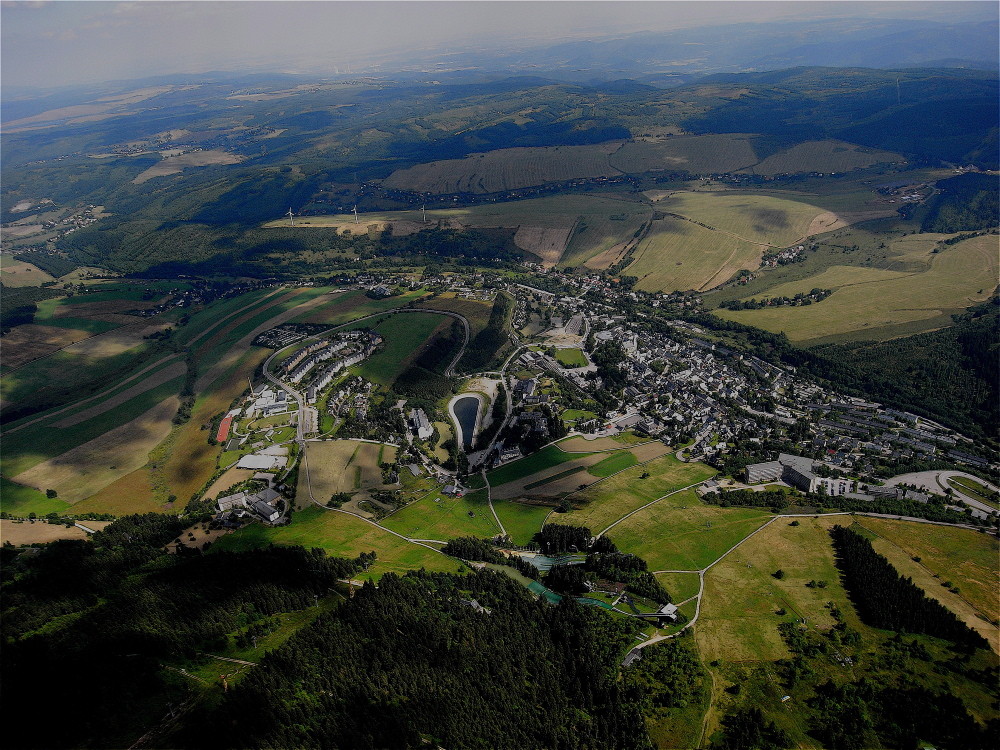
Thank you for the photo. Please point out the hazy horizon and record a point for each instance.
(53, 44)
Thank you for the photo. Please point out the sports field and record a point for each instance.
(438, 516)
(677, 255)
(876, 302)
(342, 535)
(571, 358)
(605, 503)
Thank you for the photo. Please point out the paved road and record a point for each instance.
(937, 481)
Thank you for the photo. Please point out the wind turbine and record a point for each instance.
(356, 214)
(423, 212)
(291, 217)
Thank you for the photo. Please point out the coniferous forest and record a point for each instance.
(885, 599)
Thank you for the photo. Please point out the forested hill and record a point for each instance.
(414, 663)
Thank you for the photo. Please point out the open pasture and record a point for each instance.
(875, 303)
(823, 156)
(506, 169)
(438, 516)
(20, 500)
(16, 273)
(678, 255)
(342, 535)
(696, 154)
(548, 457)
(682, 533)
(580, 444)
(738, 619)
(605, 503)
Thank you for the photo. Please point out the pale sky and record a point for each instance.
(47, 44)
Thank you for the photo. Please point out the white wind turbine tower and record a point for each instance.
(356, 214)
(291, 217)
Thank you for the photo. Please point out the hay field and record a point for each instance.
(342, 466)
(404, 338)
(677, 255)
(437, 516)
(20, 533)
(30, 342)
(823, 156)
(605, 503)
(874, 300)
(761, 219)
(132, 493)
(114, 342)
(343, 535)
(506, 169)
(16, 273)
(697, 154)
(164, 375)
(229, 478)
(682, 533)
(87, 468)
(601, 237)
(177, 164)
(580, 444)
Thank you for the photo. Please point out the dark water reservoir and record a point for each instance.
(466, 409)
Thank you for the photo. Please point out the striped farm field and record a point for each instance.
(506, 169)
(874, 301)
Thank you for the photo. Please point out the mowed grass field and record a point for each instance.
(342, 535)
(16, 273)
(521, 520)
(878, 303)
(571, 357)
(342, 466)
(682, 533)
(761, 219)
(601, 505)
(677, 255)
(438, 516)
(347, 306)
